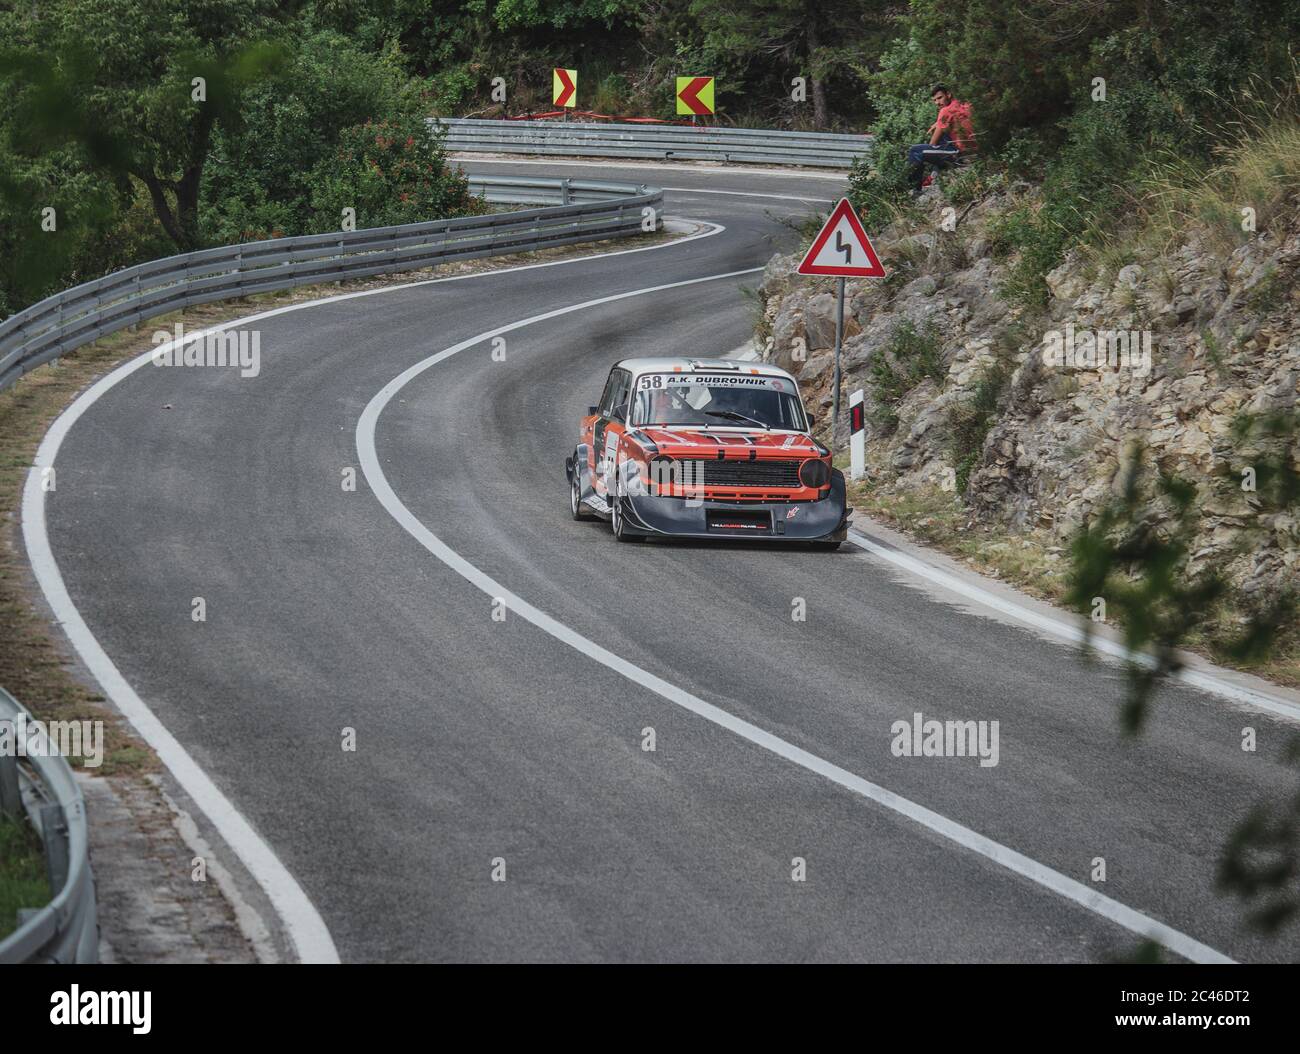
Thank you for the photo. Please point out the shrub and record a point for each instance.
(970, 183)
(969, 422)
(909, 357)
(260, 178)
(390, 172)
(899, 92)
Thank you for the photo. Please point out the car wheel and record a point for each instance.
(618, 521)
(576, 505)
(827, 547)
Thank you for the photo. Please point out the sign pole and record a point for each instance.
(842, 250)
(839, 343)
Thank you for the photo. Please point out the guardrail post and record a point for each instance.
(58, 329)
(11, 799)
(54, 831)
(564, 192)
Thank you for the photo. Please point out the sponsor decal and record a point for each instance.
(685, 380)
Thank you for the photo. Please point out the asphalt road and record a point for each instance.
(480, 739)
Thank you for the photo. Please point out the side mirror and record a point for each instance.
(592, 410)
(811, 421)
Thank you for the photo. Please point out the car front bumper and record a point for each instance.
(795, 521)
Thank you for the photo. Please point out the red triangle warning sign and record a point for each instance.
(843, 248)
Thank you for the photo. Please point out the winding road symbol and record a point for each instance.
(835, 255)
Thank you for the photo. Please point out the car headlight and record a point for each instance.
(814, 474)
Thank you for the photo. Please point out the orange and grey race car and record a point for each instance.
(705, 449)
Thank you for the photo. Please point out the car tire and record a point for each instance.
(617, 520)
(577, 508)
(826, 547)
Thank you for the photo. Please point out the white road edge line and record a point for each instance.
(1069, 888)
(302, 922)
(1068, 631)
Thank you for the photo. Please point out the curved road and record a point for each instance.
(480, 738)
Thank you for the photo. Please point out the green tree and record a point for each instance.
(390, 172)
(819, 39)
(261, 173)
(138, 87)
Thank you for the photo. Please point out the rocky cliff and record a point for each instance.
(1025, 415)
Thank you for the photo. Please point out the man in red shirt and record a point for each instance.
(952, 136)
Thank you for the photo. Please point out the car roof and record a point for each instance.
(675, 364)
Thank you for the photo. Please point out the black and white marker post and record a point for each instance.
(841, 249)
(857, 436)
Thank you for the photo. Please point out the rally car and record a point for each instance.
(705, 449)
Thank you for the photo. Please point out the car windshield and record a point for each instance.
(744, 400)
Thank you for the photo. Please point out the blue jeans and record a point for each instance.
(921, 154)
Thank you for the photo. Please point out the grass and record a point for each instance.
(22, 872)
(970, 422)
(938, 518)
(909, 357)
(1259, 171)
(970, 183)
(757, 302)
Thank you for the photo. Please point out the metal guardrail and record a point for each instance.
(65, 930)
(576, 212)
(655, 142)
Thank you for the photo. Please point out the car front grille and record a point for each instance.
(780, 472)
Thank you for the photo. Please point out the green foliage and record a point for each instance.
(261, 177)
(137, 89)
(755, 47)
(971, 183)
(135, 167)
(899, 94)
(1140, 573)
(1268, 292)
(909, 357)
(35, 262)
(453, 88)
(559, 14)
(1140, 570)
(1261, 860)
(1028, 68)
(22, 872)
(969, 422)
(390, 172)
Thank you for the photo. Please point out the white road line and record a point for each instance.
(302, 922)
(1058, 883)
(1070, 632)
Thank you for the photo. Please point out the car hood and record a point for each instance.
(686, 442)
